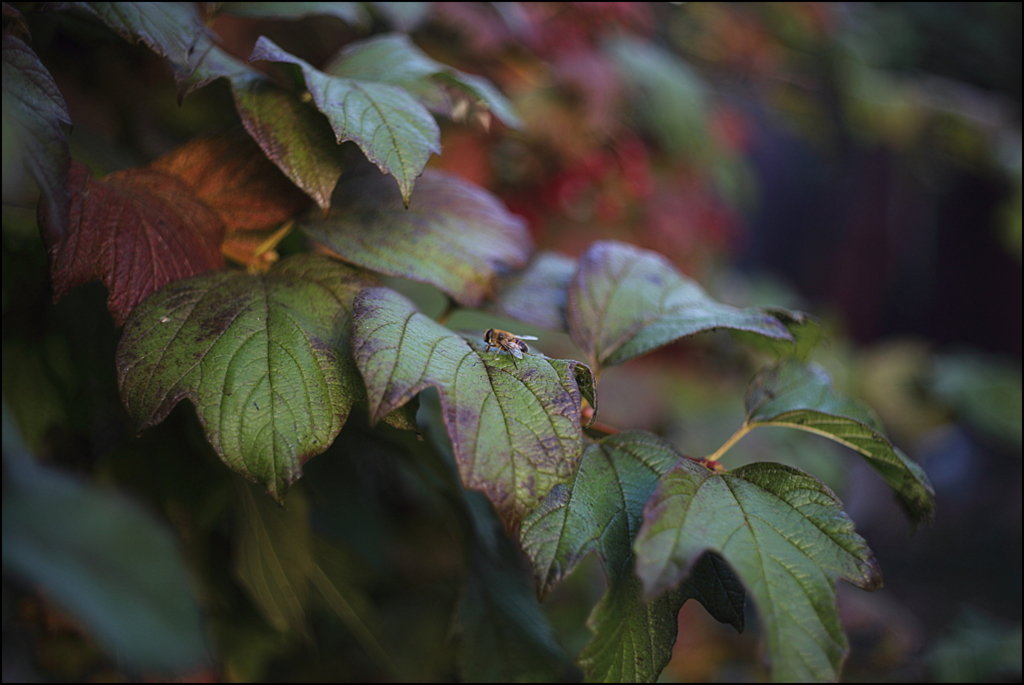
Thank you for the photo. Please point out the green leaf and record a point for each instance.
(393, 130)
(170, 29)
(783, 533)
(599, 510)
(625, 301)
(455, 236)
(537, 294)
(514, 424)
(602, 510)
(34, 119)
(274, 558)
(505, 636)
(292, 134)
(393, 58)
(103, 559)
(798, 395)
(633, 637)
(263, 358)
(349, 12)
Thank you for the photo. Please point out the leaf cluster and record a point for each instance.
(279, 357)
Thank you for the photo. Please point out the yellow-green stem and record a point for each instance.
(727, 445)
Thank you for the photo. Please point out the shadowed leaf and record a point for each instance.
(135, 230)
(601, 510)
(455, 236)
(34, 118)
(349, 12)
(173, 30)
(784, 535)
(105, 560)
(514, 425)
(393, 58)
(537, 294)
(274, 558)
(798, 395)
(625, 301)
(393, 130)
(263, 358)
(232, 175)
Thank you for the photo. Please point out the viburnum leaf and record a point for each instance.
(514, 424)
(393, 130)
(633, 637)
(292, 134)
(601, 510)
(404, 16)
(264, 358)
(274, 558)
(784, 535)
(505, 635)
(34, 120)
(393, 58)
(135, 230)
(173, 30)
(625, 301)
(232, 175)
(349, 12)
(537, 294)
(455, 235)
(800, 395)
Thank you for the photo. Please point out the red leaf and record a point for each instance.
(233, 176)
(136, 231)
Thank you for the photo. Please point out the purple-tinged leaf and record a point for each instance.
(625, 301)
(455, 235)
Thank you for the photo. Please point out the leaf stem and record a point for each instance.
(727, 445)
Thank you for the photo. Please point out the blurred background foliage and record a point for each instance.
(859, 161)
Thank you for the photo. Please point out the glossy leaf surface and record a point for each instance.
(784, 535)
(514, 425)
(263, 358)
(625, 301)
(455, 235)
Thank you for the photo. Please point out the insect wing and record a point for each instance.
(516, 352)
(527, 337)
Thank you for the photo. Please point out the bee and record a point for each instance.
(510, 342)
